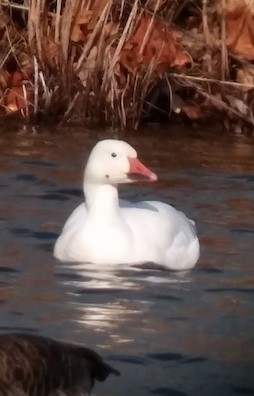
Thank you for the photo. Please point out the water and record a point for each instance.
(170, 334)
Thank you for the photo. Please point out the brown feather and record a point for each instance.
(38, 366)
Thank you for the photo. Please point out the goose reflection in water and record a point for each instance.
(102, 295)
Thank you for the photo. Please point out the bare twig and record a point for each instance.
(224, 51)
(36, 85)
(71, 105)
(207, 35)
(12, 4)
(212, 80)
(149, 29)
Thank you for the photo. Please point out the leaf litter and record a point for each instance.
(105, 61)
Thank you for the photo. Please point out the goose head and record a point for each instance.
(113, 162)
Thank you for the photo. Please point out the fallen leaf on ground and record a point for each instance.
(130, 57)
(97, 9)
(26, 65)
(88, 66)
(155, 4)
(240, 29)
(50, 52)
(110, 29)
(160, 47)
(80, 21)
(15, 100)
(16, 79)
(245, 75)
(5, 78)
(193, 112)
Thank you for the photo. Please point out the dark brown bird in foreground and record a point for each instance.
(38, 366)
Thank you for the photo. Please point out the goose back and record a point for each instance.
(38, 366)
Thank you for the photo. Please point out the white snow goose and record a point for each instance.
(38, 366)
(104, 230)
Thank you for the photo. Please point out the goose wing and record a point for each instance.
(38, 366)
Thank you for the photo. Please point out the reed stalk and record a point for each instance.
(77, 68)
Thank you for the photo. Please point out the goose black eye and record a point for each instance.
(113, 155)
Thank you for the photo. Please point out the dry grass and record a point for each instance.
(78, 60)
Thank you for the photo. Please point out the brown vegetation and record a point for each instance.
(110, 61)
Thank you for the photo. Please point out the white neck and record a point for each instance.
(101, 198)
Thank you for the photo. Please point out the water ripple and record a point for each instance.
(166, 356)
(43, 164)
(8, 270)
(230, 289)
(25, 232)
(167, 392)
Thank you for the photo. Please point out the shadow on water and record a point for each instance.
(169, 333)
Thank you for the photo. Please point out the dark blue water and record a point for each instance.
(170, 334)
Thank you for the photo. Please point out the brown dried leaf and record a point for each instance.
(193, 112)
(4, 20)
(120, 76)
(97, 8)
(155, 4)
(26, 65)
(240, 29)
(5, 78)
(50, 52)
(161, 47)
(182, 58)
(88, 66)
(232, 5)
(81, 21)
(130, 57)
(15, 100)
(110, 29)
(10, 80)
(99, 5)
(17, 78)
(245, 75)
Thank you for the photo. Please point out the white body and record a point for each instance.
(102, 231)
